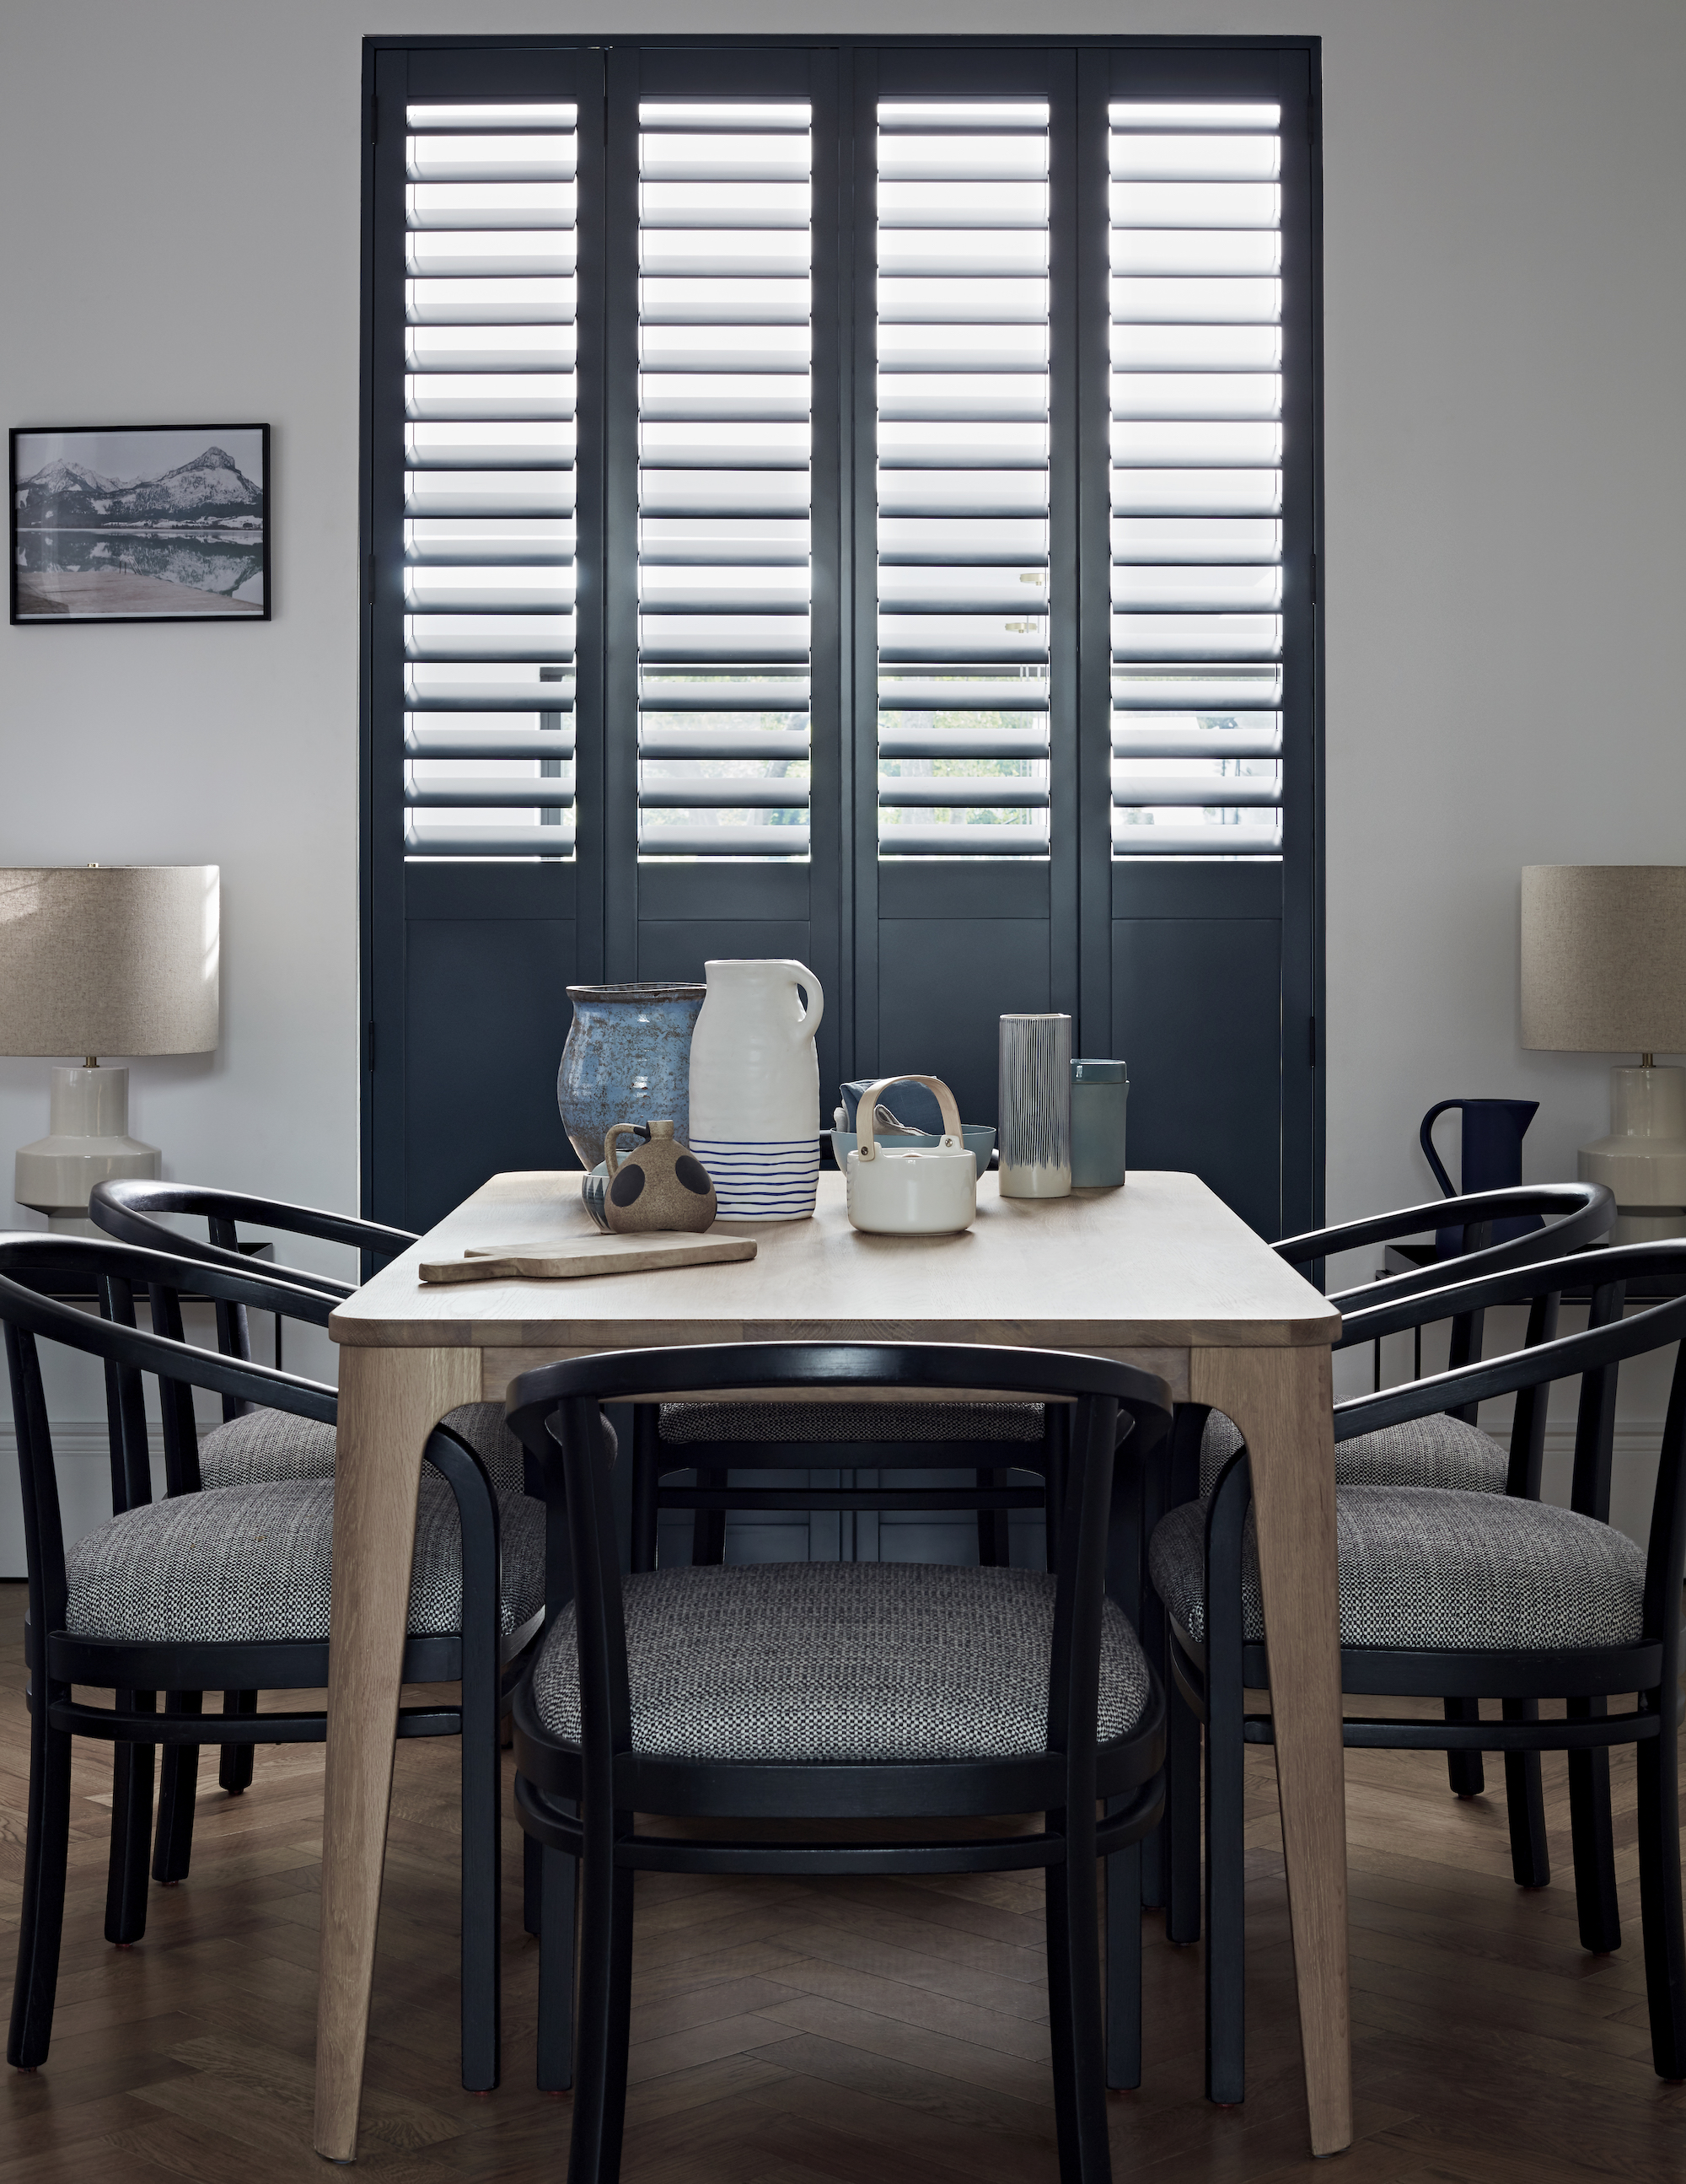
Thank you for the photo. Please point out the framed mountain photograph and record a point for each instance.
(140, 523)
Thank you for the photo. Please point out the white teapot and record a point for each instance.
(919, 1190)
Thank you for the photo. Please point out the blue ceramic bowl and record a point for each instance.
(977, 1138)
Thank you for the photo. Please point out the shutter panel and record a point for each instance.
(725, 397)
(1197, 479)
(489, 399)
(963, 476)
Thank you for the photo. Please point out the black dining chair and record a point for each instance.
(990, 1457)
(1496, 1598)
(1445, 1449)
(1449, 1449)
(253, 1444)
(227, 1587)
(888, 1691)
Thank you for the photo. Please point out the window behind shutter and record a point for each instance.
(1197, 478)
(963, 476)
(853, 499)
(725, 436)
(490, 305)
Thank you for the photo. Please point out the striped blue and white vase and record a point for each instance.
(755, 1088)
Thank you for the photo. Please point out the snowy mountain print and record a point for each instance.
(149, 523)
(64, 496)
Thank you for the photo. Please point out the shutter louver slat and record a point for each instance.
(963, 476)
(491, 297)
(1196, 478)
(725, 454)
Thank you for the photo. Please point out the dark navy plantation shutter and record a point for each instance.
(853, 501)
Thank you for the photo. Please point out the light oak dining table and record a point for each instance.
(1160, 1273)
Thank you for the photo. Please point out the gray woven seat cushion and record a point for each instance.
(1426, 1566)
(243, 1563)
(1432, 1451)
(826, 1421)
(841, 1663)
(269, 1445)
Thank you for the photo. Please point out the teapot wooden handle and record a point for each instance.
(611, 1158)
(868, 1101)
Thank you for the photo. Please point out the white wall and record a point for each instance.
(1505, 314)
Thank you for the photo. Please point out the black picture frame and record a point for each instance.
(123, 504)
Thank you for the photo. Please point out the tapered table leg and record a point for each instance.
(1281, 1399)
(390, 1401)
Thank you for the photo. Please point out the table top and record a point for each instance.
(1162, 1262)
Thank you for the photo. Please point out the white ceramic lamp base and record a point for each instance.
(1643, 1161)
(88, 1141)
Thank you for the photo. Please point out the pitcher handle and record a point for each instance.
(809, 1023)
(611, 1156)
(864, 1142)
(1426, 1133)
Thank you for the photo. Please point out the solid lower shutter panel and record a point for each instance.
(490, 391)
(1197, 479)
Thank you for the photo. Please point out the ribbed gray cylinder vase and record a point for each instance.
(1036, 1106)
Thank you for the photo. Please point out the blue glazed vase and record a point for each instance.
(627, 1060)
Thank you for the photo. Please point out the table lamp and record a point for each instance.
(102, 959)
(1604, 972)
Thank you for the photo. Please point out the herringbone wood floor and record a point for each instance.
(826, 2032)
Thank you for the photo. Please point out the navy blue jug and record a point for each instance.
(1492, 1160)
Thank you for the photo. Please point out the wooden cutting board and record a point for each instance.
(570, 1257)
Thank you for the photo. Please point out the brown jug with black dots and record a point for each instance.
(661, 1186)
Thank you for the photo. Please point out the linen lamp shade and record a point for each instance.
(1604, 972)
(108, 958)
(102, 959)
(1603, 958)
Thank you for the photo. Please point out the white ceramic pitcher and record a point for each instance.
(755, 1088)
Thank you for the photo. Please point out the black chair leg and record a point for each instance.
(1226, 1892)
(994, 1551)
(1465, 1772)
(1155, 1847)
(1124, 1967)
(1182, 1823)
(556, 1967)
(132, 1828)
(605, 1988)
(1075, 2021)
(178, 1786)
(1530, 1861)
(1659, 1818)
(1594, 1839)
(708, 1526)
(234, 1768)
(482, 1881)
(46, 1853)
(533, 1884)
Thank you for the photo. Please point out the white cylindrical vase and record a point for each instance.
(1036, 1106)
(755, 1088)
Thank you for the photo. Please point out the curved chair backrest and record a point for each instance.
(130, 1211)
(113, 1270)
(1595, 1355)
(1572, 1215)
